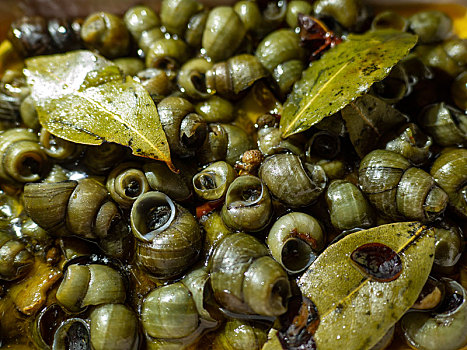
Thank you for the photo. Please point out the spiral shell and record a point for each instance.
(21, 157)
(168, 236)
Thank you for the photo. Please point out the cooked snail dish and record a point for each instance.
(233, 175)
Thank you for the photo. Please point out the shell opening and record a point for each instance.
(297, 255)
(151, 213)
(280, 293)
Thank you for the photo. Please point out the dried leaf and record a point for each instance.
(344, 73)
(84, 98)
(367, 119)
(355, 310)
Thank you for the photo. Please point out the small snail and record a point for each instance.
(292, 181)
(295, 240)
(21, 157)
(223, 33)
(449, 171)
(185, 130)
(168, 238)
(93, 284)
(398, 190)
(213, 182)
(348, 207)
(235, 75)
(81, 208)
(126, 182)
(107, 34)
(281, 54)
(248, 205)
(33, 36)
(15, 260)
(245, 279)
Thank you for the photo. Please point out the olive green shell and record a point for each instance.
(348, 207)
(295, 240)
(438, 330)
(175, 14)
(139, 19)
(223, 33)
(248, 205)
(191, 78)
(430, 26)
(126, 182)
(212, 182)
(185, 130)
(449, 171)
(290, 180)
(82, 208)
(239, 335)
(166, 53)
(445, 124)
(398, 190)
(15, 260)
(172, 247)
(349, 13)
(21, 157)
(93, 284)
(106, 33)
(245, 279)
(234, 75)
(114, 326)
(169, 312)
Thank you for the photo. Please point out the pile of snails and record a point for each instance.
(208, 258)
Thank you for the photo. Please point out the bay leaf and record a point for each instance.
(84, 98)
(342, 74)
(355, 311)
(367, 119)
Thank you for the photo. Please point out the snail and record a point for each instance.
(21, 157)
(177, 311)
(282, 56)
(58, 148)
(223, 33)
(292, 181)
(447, 125)
(412, 143)
(348, 207)
(33, 36)
(191, 78)
(81, 208)
(240, 335)
(245, 279)
(213, 182)
(449, 171)
(248, 205)
(398, 190)
(100, 159)
(126, 182)
(15, 260)
(185, 130)
(224, 142)
(231, 77)
(430, 26)
(161, 178)
(444, 328)
(93, 284)
(295, 240)
(176, 14)
(107, 34)
(168, 238)
(216, 110)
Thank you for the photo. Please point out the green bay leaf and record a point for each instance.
(355, 311)
(342, 74)
(84, 98)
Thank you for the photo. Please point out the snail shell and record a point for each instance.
(21, 157)
(245, 279)
(398, 190)
(168, 236)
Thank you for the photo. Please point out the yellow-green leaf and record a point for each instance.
(84, 98)
(355, 311)
(341, 75)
